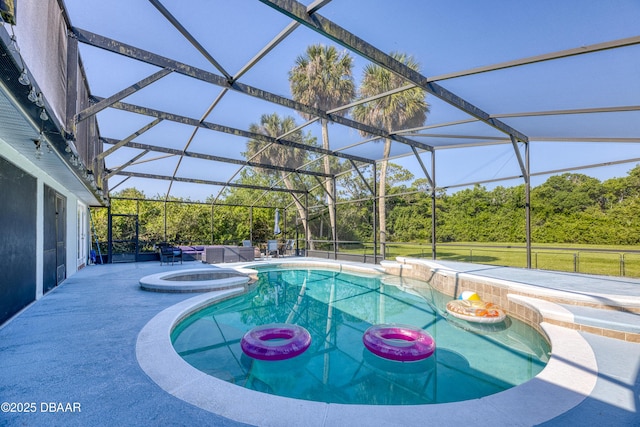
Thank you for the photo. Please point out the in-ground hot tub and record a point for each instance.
(197, 280)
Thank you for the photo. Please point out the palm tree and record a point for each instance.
(264, 152)
(322, 78)
(401, 110)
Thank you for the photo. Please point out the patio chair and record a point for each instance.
(170, 253)
(272, 246)
(289, 246)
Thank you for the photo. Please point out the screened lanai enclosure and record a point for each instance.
(354, 121)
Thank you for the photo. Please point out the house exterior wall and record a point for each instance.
(41, 33)
(30, 286)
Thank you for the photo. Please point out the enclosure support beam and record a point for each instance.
(128, 139)
(526, 174)
(523, 168)
(432, 183)
(165, 221)
(107, 102)
(306, 224)
(424, 169)
(212, 227)
(207, 182)
(321, 185)
(433, 207)
(163, 10)
(312, 8)
(129, 163)
(331, 195)
(545, 57)
(375, 214)
(527, 192)
(112, 188)
(229, 130)
(316, 5)
(187, 70)
(109, 235)
(300, 205)
(297, 200)
(329, 29)
(268, 48)
(364, 180)
(375, 198)
(334, 196)
(284, 215)
(175, 152)
(251, 224)
(543, 173)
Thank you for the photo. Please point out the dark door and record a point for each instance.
(55, 231)
(61, 238)
(18, 210)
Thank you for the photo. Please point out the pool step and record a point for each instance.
(618, 324)
(610, 319)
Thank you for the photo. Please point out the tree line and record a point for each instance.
(568, 208)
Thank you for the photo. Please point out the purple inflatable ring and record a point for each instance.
(399, 342)
(276, 341)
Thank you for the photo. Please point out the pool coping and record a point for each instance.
(567, 379)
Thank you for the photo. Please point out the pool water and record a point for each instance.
(470, 360)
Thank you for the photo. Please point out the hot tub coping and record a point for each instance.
(159, 282)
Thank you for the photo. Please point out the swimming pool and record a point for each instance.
(336, 307)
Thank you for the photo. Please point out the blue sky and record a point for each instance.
(444, 36)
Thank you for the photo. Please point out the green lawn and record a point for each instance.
(590, 259)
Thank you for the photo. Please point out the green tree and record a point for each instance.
(274, 126)
(617, 190)
(356, 219)
(188, 223)
(251, 220)
(567, 193)
(409, 216)
(400, 110)
(322, 78)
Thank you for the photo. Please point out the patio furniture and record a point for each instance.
(244, 252)
(190, 253)
(214, 254)
(168, 252)
(231, 254)
(272, 246)
(289, 246)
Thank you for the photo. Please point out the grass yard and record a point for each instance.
(589, 259)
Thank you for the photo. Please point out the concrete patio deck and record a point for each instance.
(72, 354)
